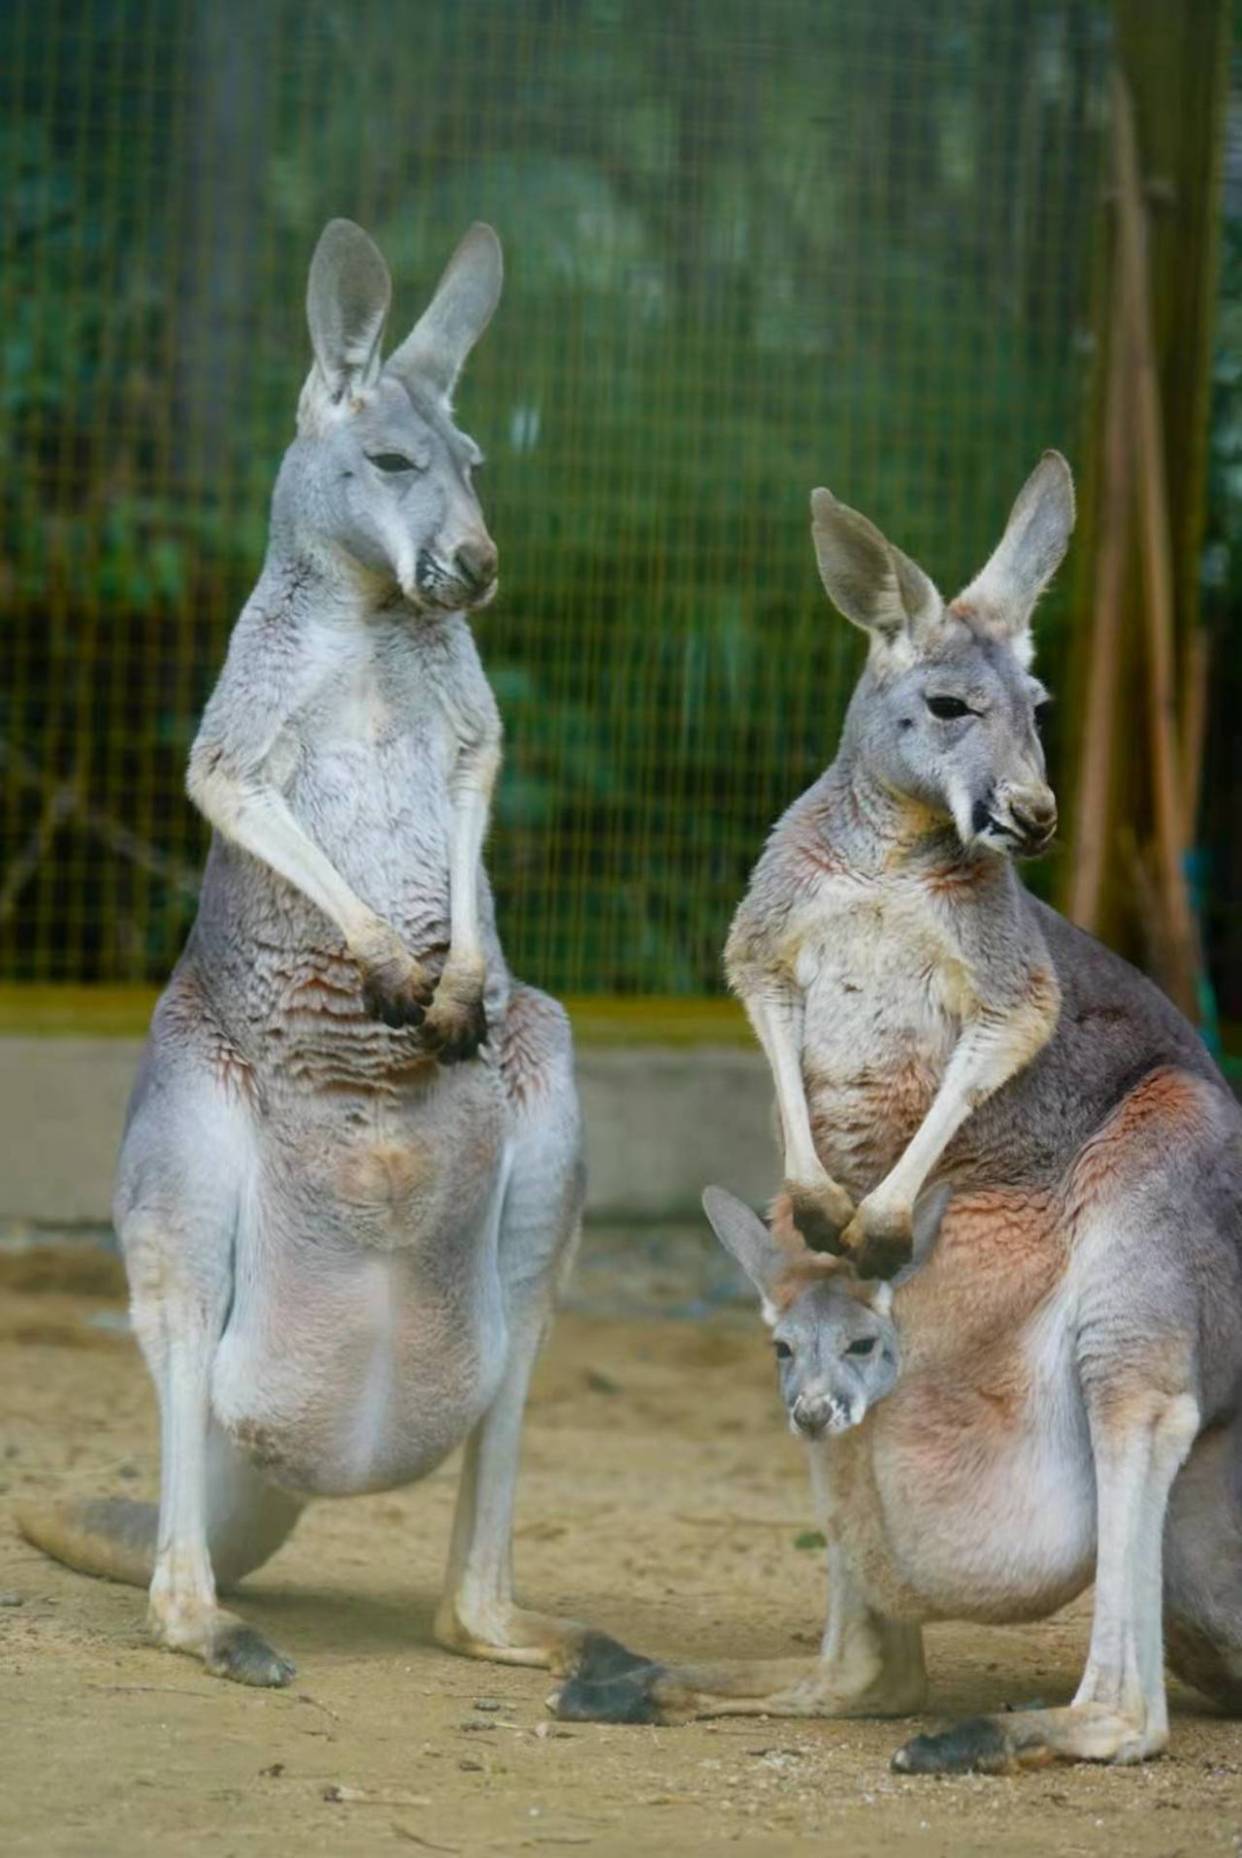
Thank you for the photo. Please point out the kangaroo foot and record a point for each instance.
(227, 1646)
(236, 1651)
(513, 1635)
(609, 1685)
(612, 1684)
(1027, 1739)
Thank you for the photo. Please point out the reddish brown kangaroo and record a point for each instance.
(1052, 1396)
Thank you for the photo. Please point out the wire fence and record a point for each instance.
(749, 249)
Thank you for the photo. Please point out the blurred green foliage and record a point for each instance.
(1219, 868)
(749, 249)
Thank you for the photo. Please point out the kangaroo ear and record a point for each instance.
(436, 348)
(744, 1235)
(870, 581)
(1002, 598)
(347, 298)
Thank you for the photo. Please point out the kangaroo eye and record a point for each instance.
(863, 1346)
(948, 708)
(391, 461)
(783, 1351)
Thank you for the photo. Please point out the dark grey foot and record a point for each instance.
(610, 1685)
(244, 1655)
(978, 1746)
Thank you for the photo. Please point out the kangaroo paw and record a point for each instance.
(456, 1025)
(455, 1033)
(818, 1216)
(879, 1239)
(397, 990)
(882, 1258)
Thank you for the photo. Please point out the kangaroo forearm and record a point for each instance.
(988, 1054)
(257, 818)
(472, 799)
(778, 1020)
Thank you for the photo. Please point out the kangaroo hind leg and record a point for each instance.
(1142, 1427)
(180, 1302)
(612, 1684)
(183, 1195)
(539, 1212)
(1119, 1713)
(867, 1666)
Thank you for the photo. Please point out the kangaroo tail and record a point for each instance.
(112, 1537)
(1200, 1658)
(1203, 1568)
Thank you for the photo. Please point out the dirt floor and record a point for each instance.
(661, 1500)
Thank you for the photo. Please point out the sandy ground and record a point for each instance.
(661, 1500)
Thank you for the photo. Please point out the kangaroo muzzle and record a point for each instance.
(814, 1414)
(462, 577)
(1026, 816)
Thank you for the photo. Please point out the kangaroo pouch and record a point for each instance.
(395, 1170)
(366, 1338)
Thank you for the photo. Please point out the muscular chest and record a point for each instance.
(887, 987)
(373, 725)
(368, 763)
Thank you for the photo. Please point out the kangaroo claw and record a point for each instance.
(397, 989)
(456, 1025)
(455, 1030)
(819, 1219)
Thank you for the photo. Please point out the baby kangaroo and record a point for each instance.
(953, 1059)
(1040, 1405)
(343, 1244)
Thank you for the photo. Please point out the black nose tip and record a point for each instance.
(476, 563)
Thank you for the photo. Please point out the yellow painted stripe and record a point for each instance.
(124, 1012)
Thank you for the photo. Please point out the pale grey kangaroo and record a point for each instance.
(963, 1063)
(342, 1254)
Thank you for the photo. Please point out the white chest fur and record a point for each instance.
(886, 989)
(368, 761)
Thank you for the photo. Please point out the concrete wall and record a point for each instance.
(661, 1123)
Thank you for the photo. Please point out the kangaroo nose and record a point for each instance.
(1035, 814)
(476, 562)
(810, 1416)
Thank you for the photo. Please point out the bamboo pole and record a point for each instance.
(1195, 687)
(1155, 547)
(1093, 800)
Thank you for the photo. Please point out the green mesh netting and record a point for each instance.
(750, 248)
